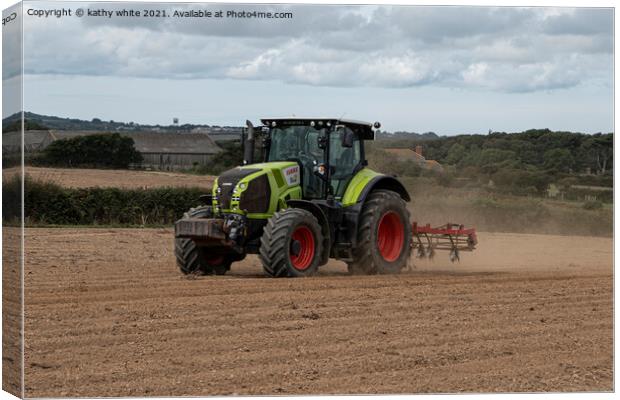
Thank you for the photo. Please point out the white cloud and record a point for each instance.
(255, 67)
(501, 49)
(405, 70)
(475, 74)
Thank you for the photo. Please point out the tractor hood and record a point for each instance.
(251, 188)
(268, 165)
(284, 172)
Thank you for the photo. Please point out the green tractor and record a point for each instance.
(311, 198)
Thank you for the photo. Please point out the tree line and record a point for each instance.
(107, 150)
(539, 149)
(523, 163)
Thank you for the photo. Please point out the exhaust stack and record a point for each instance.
(248, 146)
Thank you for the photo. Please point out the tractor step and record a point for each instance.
(451, 237)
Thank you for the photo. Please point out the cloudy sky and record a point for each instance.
(444, 69)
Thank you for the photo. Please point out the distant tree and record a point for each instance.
(455, 154)
(231, 156)
(102, 150)
(495, 156)
(559, 160)
(472, 157)
(598, 150)
(29, 125)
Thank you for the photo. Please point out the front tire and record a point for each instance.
(384, 235)
(192, 259)
(291, 244)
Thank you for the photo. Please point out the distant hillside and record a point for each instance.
(407, 135)
(38, 121)
(35, 121)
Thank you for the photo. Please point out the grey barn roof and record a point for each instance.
(33, 140)
(158, 142)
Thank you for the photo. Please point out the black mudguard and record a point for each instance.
(384, 182)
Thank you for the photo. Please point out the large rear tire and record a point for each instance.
(192, 259)
(384, 235)
(291, 244)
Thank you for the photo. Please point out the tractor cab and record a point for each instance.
(328, 151)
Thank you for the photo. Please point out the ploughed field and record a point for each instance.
(108, 314)
(121, 178)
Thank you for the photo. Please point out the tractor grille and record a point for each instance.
(255, 199)
(227, 182)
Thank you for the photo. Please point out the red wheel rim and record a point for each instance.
(303, 235)
(214, 259)
(390, 236)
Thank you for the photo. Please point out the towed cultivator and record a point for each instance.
(449, 237)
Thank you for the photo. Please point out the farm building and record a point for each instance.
(416, 157)
(33, 141)
(164, 151)
(221, 134)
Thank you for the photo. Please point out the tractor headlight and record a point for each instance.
(242, 185)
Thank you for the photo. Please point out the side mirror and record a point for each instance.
(346, 138)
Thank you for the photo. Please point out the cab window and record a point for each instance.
(344, 161)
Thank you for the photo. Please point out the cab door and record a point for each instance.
(344, 161)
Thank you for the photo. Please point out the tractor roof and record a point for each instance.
(363, 129)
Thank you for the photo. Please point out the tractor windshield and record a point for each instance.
(300, 143)
(295, 143)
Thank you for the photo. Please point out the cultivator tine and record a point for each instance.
(431, 252)
(421, 252)
(430, 249)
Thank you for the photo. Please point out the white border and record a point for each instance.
(509, 3)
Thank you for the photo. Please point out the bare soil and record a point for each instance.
(122, 178)
(108, 314)
(12, 311)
